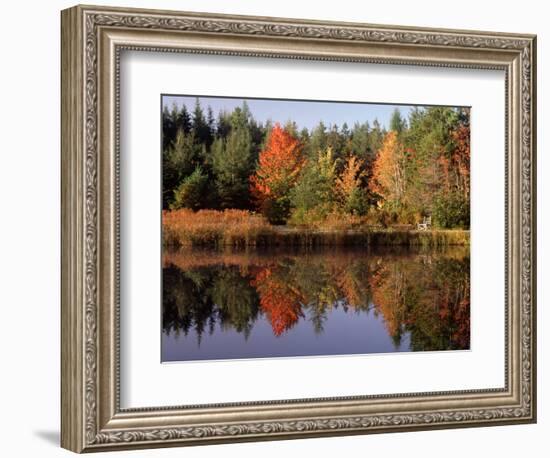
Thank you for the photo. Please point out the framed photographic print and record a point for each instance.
(278, 228)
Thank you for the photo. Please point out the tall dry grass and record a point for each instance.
(240, 228)
(185, 227)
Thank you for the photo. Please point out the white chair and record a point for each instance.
(425, 224)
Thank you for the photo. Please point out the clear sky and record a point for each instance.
(305, 113)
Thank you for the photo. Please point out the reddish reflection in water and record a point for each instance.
(314, 302)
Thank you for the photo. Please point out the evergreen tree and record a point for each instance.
(200, 126)
(232, 166)
(360, 145)
(223, 124)
(169, 125)
(178, 161)
(315, 189)
(191, 191)
(397, 123)
(335, 141)
(292, 128)
(318, 141)
(430, 137)
(183, 120)
(376, 136)
(211, 122)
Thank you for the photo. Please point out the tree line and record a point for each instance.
(418, 167)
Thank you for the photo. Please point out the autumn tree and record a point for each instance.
(352, 196)
(460, 159)
(279, 166)
(389, 173)
(420, 167)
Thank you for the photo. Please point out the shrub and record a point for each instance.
(190, 193)
(357, 202)
(451, 211)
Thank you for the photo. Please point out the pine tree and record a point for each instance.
(200, 126)
(397, 123)
(169, 125)
(191, 191)
(318, 141)
(184, 120)
(232, 165)
(178, 161)
(315, 188)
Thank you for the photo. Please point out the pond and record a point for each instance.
(264, 303)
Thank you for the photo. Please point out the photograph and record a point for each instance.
(294, 226)
(300, 228)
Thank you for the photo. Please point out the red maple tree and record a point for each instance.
(279, 166)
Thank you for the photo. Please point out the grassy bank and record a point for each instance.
(239, 228)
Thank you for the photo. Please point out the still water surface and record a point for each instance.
(273, 303)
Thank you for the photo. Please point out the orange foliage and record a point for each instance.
(461, 156)
(408, 296)
(350, 287)
(350, 178)
(279, 165)
(389, 170)
(186, 227)
(456, 167)
(278, 300)
(388, 293)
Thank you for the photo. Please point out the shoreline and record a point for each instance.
(284, 236)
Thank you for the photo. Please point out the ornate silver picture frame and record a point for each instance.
(93, 39)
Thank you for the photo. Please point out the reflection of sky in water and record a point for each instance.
(266, 303)
(344, 333)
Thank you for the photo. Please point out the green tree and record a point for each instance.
(451, 210)
(376, 136)
(223, 124)
(430, 140)
(232, 167)
(314, 195)
(169, 125)
(201, 128)
(397, 123)
(178, 161)
(318, 140)
(191, 191)
(336, 142)
(183, 120)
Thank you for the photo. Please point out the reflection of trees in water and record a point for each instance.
(202, 297)
(426, 295)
